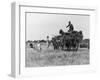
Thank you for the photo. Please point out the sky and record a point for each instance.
(39, 25)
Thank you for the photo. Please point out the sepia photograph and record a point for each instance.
(56, 39)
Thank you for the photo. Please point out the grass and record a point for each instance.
(49, 57)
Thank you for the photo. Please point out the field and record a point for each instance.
(50, 57)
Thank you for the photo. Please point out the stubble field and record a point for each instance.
(49, 57)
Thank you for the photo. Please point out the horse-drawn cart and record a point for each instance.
(67, 41)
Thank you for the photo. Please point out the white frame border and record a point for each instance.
(18, 37)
